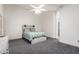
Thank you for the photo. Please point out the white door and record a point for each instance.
(69, 25)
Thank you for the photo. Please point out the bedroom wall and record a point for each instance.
(1, 20)
(15, 16)
(69, 25)
(48, 23)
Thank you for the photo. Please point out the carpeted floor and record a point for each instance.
(50, 46)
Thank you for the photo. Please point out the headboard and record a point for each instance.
(28, 28)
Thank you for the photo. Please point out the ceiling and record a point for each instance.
(48, 7)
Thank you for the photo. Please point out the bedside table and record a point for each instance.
(4, 45)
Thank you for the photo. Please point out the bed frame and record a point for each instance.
(32, 28)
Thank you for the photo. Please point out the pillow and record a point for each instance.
(27, 30)
(32, 29)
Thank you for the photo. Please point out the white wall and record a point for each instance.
(1, 9)
(48, 25)
(0, 25)
(69, 25)
(1, 19)
(14, 17)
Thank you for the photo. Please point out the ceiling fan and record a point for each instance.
(38, 9)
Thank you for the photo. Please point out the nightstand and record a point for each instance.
(4, 45)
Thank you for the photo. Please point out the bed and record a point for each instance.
(30, 34)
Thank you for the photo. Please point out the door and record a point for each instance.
(69, 25)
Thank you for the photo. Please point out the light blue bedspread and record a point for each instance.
(31, 35)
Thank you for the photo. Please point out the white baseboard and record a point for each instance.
(15, 39)
(68, 43)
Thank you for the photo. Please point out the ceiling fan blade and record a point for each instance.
(41, 6)
(33, 6)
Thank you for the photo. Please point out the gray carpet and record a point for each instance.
(50, 46)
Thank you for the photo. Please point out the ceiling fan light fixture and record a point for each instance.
(38, 9)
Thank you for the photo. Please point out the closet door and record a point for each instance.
(69, 25)
(0, 25)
